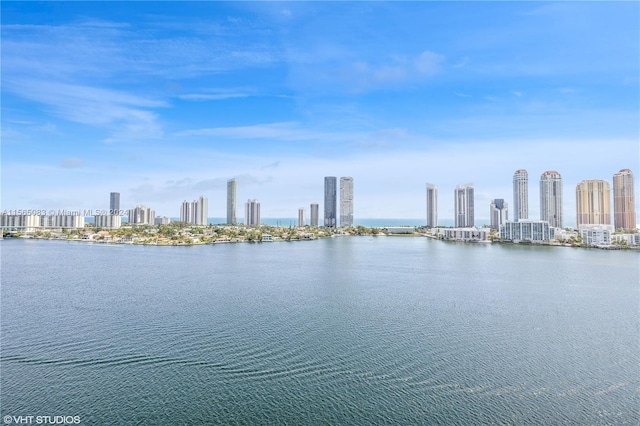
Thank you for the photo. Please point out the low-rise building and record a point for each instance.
(629, 240)
(596, 235)
(399, 230)
(162, 220)
(527, 230)
(472, 234)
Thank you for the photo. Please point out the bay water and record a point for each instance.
(347, 330)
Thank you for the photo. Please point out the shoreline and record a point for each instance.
(281, 240)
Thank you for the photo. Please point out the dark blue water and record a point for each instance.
(350, 330)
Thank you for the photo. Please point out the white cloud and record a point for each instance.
(429, 63)
(284, 131)
(211, 97)
(125, 115)
(72, 163)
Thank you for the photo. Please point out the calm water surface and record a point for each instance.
(351, 330)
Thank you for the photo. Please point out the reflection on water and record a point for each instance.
(340, 331)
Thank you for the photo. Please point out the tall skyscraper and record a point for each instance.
(593, 203)
(520, 195)
(301, 216)
(330, 201)
(185, 212)
(200, 210)
(141, 215)
(114, 203)
(624, 210)
(432, 205)
(252, 213)
(346, 202)
(499, 213)
(464, 206)
(195, 212)
(551, 198)
(315, 209)
(232, 197)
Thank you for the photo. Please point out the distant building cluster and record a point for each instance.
(593, 210)
(195, 212)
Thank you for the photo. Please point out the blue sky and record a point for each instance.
(163, 102)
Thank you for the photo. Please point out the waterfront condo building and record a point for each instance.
(499, 213)
(195, 212)
(527, 230)
(593, 203)
(551, 198)
(141, 215)
(186, 213)
(315, 209)
(432, 205)
(464, 206)
(624, 211)
(346, 201)
(520, 195)
(114, 203)
(330, 201)
(107, 221)
(232, 197)
(22, 222)
(252, 213)
(301, 217)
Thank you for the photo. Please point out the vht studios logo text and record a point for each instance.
(41, 420)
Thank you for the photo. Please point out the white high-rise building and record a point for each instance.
(464, 206)
(346, 202)
(107, 221)
(499, 213)
(527, 230)
(22, 222)
(432, 205)
(520, 195)
(186, 212)
(200, 210)
(252, 213)
(301, 217)
(232, 197)
(71, 220)
(551, 198)
(315, 209)
(141, 215)
(195, 212)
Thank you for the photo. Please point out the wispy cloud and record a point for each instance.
(463, 62)
(211, 97)
(283, 131)
(72, 163)
(124, 114)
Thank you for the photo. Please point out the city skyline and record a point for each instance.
(95, 100)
